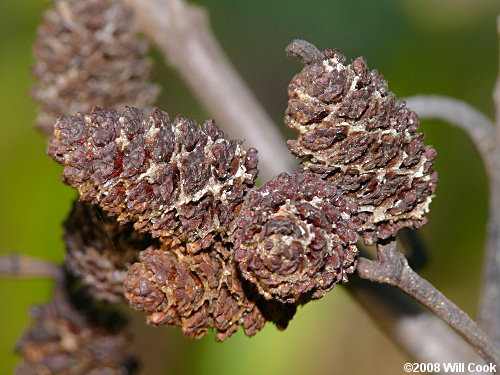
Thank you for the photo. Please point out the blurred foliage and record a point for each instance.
(446, 47)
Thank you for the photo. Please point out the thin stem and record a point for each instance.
(408, 324)
(419, 333)
(182, 32)
(489, 307)
(478, 127)
(15, 265)
(496, 93)
(392, 268)
(486, 139)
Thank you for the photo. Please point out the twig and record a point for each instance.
(392, 268)
(487, 140)
(489, 308)
(15, 265)
(496, 93)
(182, 32)
(478, 127)
(416, 331)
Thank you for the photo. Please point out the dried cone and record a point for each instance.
(88, 54)
(64, 339)
(195, 292)
(100, 251)
(177, 180)
(354, 133)
(296, 238)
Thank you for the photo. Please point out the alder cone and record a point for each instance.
(354, 133)
(99, 251)
(176, 180)
(88, 54)
(295, 238)
(66, 339)
(196, 292)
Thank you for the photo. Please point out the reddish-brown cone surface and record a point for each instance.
(177, 180)
(68, 337)
(354, 133)
(100, 251)
(88, 55)
(295, 238)
(197, 292)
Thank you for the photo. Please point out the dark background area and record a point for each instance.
(447, 47)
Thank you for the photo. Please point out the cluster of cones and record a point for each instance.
(169, 218)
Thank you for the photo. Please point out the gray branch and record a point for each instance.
(393, 269)
(478, 127)
(15, 265)
(415, 330)
(496, 93)
(486, 138)
(489, 307)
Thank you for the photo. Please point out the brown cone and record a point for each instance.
(195, 292)
(100, 251)
(177, 180)
(354, 133)
(296, 238)
(68, 337)
(88, 55)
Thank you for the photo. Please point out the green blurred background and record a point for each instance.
(446, 47)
